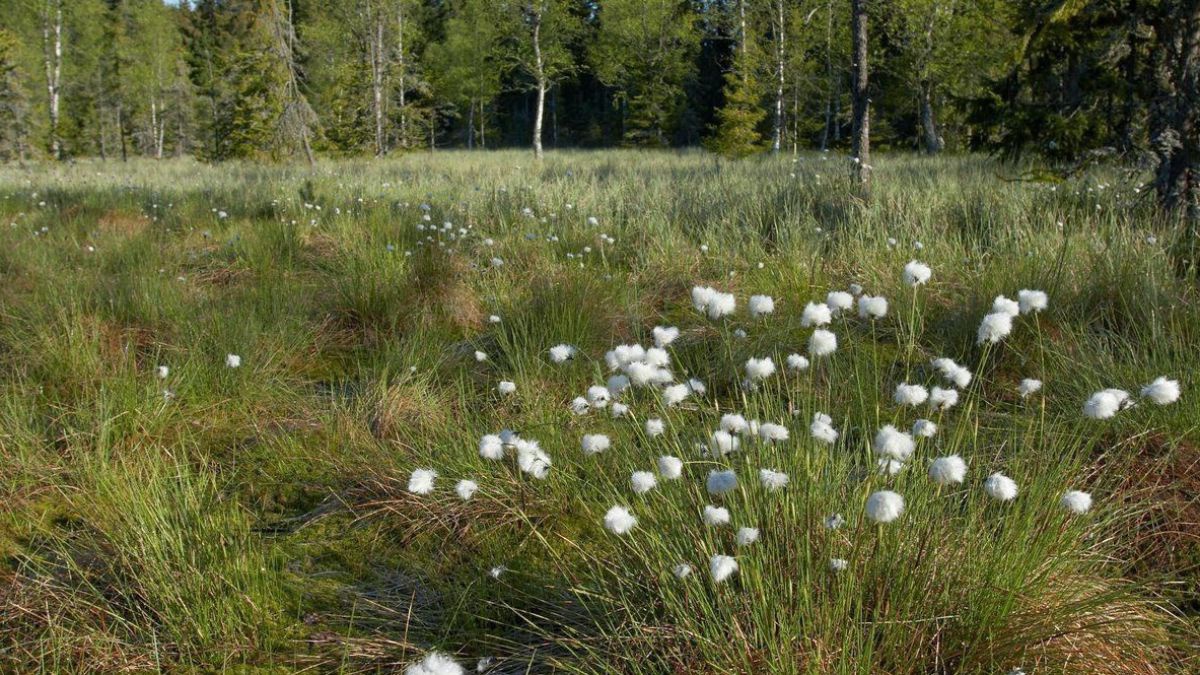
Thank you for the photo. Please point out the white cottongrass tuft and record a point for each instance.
(597, 396)
(655, 427)
(834, 521)
(916, 273)
(884, 506)
(822, 343)
(617, 384)
(580, 405)
(163, 372)
(1162, 391)
(760, 369)
(233, 361)
(943, 399)
(1076, 502)
(769, 431)
(696, 386)
(505, 387)
(682, 571)
(1029, 386)
(888, 467)
(561, 353)
(619, 520)
(664, 335)
(723, 443)
(466, 489)
(994, 328)
(1003, 305)
(1106, 403)
(531, 459)
(1032, 301)
(595, 443)
(491, 447)
(773, 480)
(947, 470)
(720, 482)
(760, 305)
(924, 429)
(675, 394)
(643, 482)
(838, 564)
(734, 423)
(1000, 487)
(619, 410)
(434, 664)
(713, 302)
(953, 372)
(893, 444)
(822, 428)
(670, 467)
(870, 307)
(747, 536)
(481, 356)
(797, 362)
(716, 516)
(421, 481)
(839, 301)
(722, 567)
(816, 314)
(910, 394)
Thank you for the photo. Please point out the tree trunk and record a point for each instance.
(52, 56)
(780, 52)
(540, 76)
(862, 115)
(375, 53)
(121, 132)
(471, 124)
(933, 142)
(402, 73)
(1177, 178)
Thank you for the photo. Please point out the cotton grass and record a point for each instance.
(884, 506)
(619, 520)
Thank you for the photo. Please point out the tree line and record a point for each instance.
(1067, 80)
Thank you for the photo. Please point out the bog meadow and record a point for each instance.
(872, 348)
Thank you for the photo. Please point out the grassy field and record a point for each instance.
(165, 510)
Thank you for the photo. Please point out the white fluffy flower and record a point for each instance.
(657, 357)
(924, 429)
(531, 459)
(947, 470)
(434, 664)
(506, 387)
(916, 273)
(561, 353)
(760, 369)
(822, 343)
(1003, 305)
(884, 506)
(994, 327)
(839, 301)
(722, 567)
(760, 305)
(701, 296)
(421, 481)
(580, 405)
(733, 423)
(715, 303)
(888, 467)
(1106, 403)
(893, 444)
(163, 372)
(619, 520)
(769, 431)
(1076, 502)
(953, 372)
(1000, 487)
(595, 443)
(619, 410)
(720, 482)
(872, 307)
(910, 394)
(655, 427)
(682, 571)
(491, 447)
(716, 516)
(675, 394)
(943, 399)
(747, 536)
(773, 480)
(617, 384)
(1162, 391)
(723, 443)
(696, 386)
(834, 521)
(466, 489)
(797, 362)
(822, 428)
(838, 564)
(670, 467)
(597, 396)
(816, 314)
(643, 482)
(664, 335)
(623, 355)
(233, 361)
(481, 356)
(1029, 386)
(1032, 301)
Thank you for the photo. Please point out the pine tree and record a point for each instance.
(736, 134)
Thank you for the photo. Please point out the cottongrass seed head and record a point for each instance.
(670, 467)
(465, 489)
(822, 343)
(771, 432)
(948, 470)
(682, 571)
(910, 394)
(1106, 403)
(916, 273)
(643, 482)
(722, 567)
(746, 536)
(894, 444)
(815, 315)
(1029, 386)
(924, 429)
(760, 305)
(561, 353)
(943, 399)
(716, 516)
(773, 480)
(655, 427)
(506, 387)
(720, 482)
(797, 362)
(1162, 391)
(619, 520)
(760, 369)
(1032, 301)
(1000, 487)
(595, 443)
(1003, 305)
(491, 447)
(1076, 502)
(233, 361)
(434, 664)
(839, 301)
(664, 335)
(994, 328)
(884, 506)
(723, 443)
(421, 481)
(872, 307)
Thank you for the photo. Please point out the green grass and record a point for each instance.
(257, 519)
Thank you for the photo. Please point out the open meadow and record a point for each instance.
(616, 411)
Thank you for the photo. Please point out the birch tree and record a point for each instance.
(540, 33)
